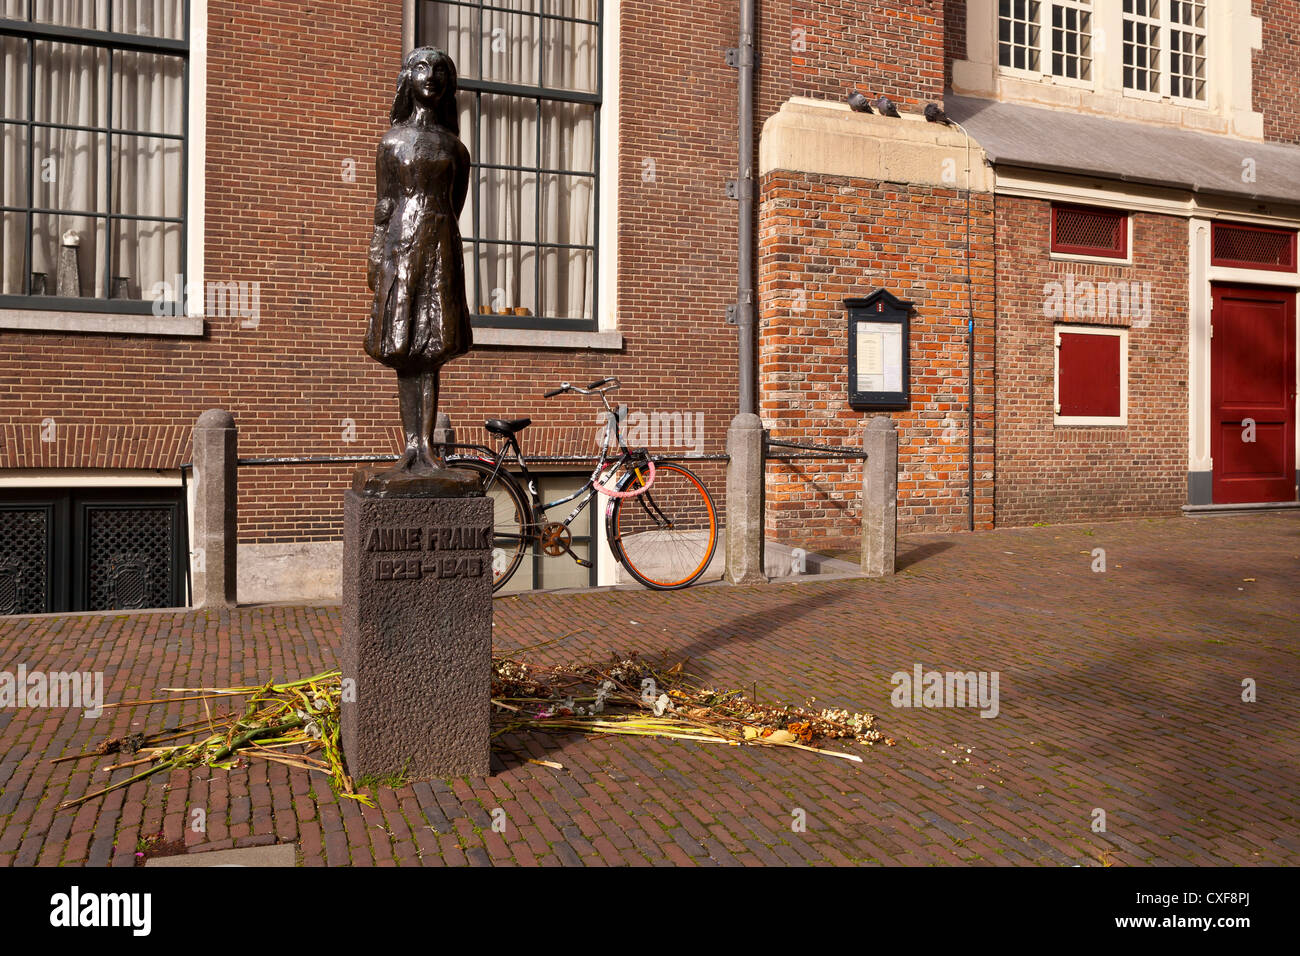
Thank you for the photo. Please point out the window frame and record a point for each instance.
(1164, 22)
(536, 560)
(1118, 331)
(540, 94)
(1046, 28)
(1188, 30)
(1217, 261)
(1158, 65)
(1122, 255)
(112, 42)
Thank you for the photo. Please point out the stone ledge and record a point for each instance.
(827, 138)
(548, 339)
(104, 323)
(1262, 507)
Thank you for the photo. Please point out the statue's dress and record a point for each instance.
(420, 319)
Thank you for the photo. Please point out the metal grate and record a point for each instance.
(1253, 247)
(1089, 232)
(24, 560)
(130, 557)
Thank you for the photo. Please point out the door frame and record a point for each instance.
(1202, 279)
(1292, 334)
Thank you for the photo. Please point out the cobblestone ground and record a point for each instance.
(1119, 691)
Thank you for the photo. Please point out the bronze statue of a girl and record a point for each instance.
(420, 319)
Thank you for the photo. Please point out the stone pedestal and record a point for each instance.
(417, 634)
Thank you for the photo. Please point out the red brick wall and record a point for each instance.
(293, 93)
(1062, 474)
(892, 48)
(834, 238)
(954, 36)
(1276, 78)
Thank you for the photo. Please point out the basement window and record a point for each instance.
(1253, 247)
(1089, 231)
(1091, 375)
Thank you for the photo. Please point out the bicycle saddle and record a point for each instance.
(502, 426)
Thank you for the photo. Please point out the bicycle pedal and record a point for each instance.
(582, 562)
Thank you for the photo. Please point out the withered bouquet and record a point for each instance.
(297, 723)
(632, 697)
(284, 723)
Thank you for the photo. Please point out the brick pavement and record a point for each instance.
(1120, 691)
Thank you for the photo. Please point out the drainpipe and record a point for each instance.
(744, 191)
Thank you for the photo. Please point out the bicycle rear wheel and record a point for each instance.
(511, 522)
(666, 536)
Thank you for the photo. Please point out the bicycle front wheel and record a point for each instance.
(666, 536)
(511, 521)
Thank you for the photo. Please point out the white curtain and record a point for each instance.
(518, 48)
(71, 168)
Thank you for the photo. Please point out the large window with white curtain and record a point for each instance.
(92, 152)
(530, 81)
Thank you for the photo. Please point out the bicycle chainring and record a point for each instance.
(556, 538)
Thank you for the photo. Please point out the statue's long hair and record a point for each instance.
(445, 112)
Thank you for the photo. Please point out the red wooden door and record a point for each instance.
(1253, 381)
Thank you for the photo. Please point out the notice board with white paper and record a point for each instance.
(878, 351)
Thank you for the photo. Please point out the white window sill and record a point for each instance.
(1100, 260)
(548, 339)
(107, 323)
(1080, 421)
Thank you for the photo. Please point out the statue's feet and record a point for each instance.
(417, 474)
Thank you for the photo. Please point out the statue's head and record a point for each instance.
(428, 77)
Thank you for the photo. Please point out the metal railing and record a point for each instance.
(834, 452)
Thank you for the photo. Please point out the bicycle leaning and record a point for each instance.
(660, 521)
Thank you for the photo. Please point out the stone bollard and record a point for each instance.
(215, 546)
(745, 499)
(880, 497)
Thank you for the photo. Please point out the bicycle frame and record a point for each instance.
(624, 468)
(510, 452)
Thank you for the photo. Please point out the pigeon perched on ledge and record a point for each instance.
(885, 106)
(935, 114)
(858, 103)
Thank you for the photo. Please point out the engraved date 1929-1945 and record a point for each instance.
(413, 569)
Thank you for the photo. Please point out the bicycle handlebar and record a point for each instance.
(598, 387)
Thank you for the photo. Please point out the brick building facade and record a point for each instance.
(284, 104)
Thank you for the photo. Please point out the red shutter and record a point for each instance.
(1253, 247)
(1086, 231)
(1088, 375)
